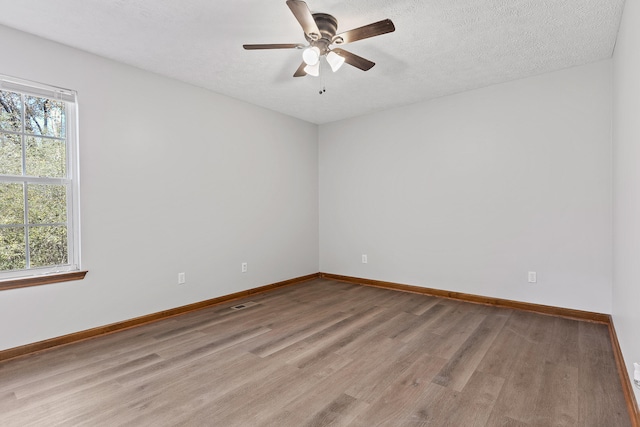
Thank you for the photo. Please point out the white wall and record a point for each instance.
(174, 178)
(626, 186)
(469, 192)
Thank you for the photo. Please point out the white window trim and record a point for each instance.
(72, 180)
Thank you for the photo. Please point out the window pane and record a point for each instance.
(10, 154)
(47, 203)
(13, 253)
(12, 202)
(45, 157)
(48, 246)
(10, 111)
(44, 116)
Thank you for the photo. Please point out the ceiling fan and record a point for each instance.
(320, 31)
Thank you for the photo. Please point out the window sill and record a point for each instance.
(41, 280)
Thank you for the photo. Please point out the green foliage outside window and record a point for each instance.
(33, 231)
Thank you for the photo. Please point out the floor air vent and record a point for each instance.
(244, 305)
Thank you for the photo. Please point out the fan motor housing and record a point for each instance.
(328, 26)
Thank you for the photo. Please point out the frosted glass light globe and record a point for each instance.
(335, 61)
(313, 70)
(311, 55)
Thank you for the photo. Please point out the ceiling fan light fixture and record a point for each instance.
(313, 70)
(311, 55)
(335, 61)
(320, 33)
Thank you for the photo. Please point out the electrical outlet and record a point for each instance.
(245, 267)
(181, 278)
(364, 259)
(532, 276)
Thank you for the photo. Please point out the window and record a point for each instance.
(39, 218)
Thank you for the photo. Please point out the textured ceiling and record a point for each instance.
(439, 47)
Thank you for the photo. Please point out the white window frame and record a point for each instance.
(71, 181)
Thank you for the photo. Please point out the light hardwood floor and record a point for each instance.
(327, 353)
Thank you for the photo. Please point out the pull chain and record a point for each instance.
(322, 88)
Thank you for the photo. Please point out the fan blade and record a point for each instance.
(300, 72)
(354, 60)
(305, 18)
(273, 46)
(371, 30)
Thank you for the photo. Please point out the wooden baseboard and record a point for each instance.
(627, 387)
(632, 406)
(138, 321)
(478, 299)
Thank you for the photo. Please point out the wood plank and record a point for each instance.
(432, 408)
(505, 351)
(401, 395)
(472, 407)
(460, 330)
(438, 313)
(305, 406)
(337, 412)
(465, 360)
(198, 383)
(557, 404)
(524, 381)
(599, 384)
